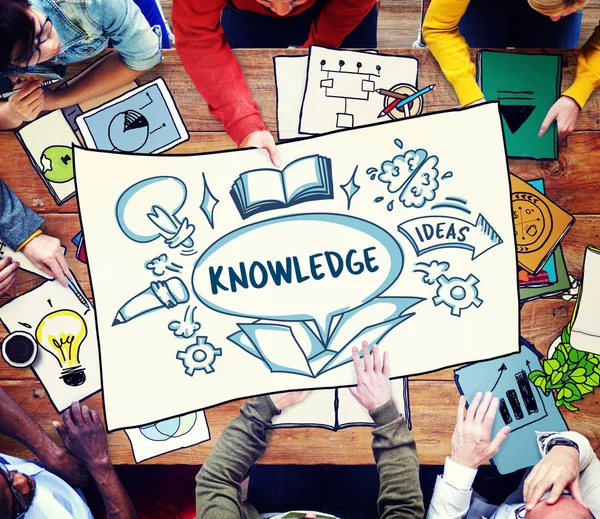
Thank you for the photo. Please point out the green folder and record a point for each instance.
(562, 283)
(526, 86)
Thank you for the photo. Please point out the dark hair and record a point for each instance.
(17, 32)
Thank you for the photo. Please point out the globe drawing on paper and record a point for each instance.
(169, 428)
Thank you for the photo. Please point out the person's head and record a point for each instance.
(24, 31)
(281, 7)
(564, 507)
(557, 9)
(16, 493)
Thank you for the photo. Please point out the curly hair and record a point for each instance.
(17, 32)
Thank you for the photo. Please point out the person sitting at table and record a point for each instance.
(38, 33)
(21, 230)
(244, 440)
(46, 489)
(451, 26)
(568, 462)
(207, 30)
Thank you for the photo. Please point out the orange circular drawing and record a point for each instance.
(414, 107)
(533, 221)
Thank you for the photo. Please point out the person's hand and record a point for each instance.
(478, 102)
(51, 100)
(557, 470)
(373, 377)
(565, 111)
(60, 462)
(265, 141)
(27, 103)
(46, 254)
(8, 274)
(472, 443)
(83, 435)
(285, 400)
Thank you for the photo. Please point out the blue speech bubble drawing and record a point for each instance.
(298, 268)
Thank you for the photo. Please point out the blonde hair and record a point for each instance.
(554, 7)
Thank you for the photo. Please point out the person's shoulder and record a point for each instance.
(104, 12)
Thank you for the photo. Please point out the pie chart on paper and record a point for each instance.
(169, 428)
(128, 131)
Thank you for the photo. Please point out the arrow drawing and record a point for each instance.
(502, 369)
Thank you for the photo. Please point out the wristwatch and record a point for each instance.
(561, 441)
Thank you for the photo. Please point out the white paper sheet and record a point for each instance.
(585, 333)
(69, 319)
(415, 252)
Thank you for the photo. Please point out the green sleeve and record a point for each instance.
(244, 440)
(395, 453)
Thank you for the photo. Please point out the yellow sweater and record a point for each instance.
(440, 31)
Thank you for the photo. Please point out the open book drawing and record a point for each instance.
(298, 347)
(305, 179)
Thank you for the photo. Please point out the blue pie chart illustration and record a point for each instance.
(128, 131)
(169, 428)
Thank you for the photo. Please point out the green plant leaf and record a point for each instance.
(578, 375)
(550, 366)
(561, 394)
(571, 407)
(575, 355)
(544, 385)
(560, 356)
(594, 359)
(534, 375)
(556, 377)
(572, 388)
(593, 380)
(565, 336)
(585, 388)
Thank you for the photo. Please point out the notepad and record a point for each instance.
(526, 86)
(305, 179)
(585, 334)
(540, 225)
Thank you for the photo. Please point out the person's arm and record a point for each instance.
(24, 105)
(440, 31)
(472, 445)
(587, 78)
(394, 448)
(211, 65)
(83, 434)
(17, 424)
(21, 230)
(244, 440)
(564, 467)
(336, 20)
(139, 49)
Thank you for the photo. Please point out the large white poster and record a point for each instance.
(218, 277)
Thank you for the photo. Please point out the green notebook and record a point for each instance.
(562, 283)
(526, 86)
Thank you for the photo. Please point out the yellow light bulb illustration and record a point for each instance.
(61, 334)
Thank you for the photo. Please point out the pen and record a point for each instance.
(399, 102)
(78, 293)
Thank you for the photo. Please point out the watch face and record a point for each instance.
(532, 220)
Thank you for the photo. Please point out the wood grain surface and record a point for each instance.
(573, 181)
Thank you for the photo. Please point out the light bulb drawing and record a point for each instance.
(149, 210)
(351, 83)
(61, 334)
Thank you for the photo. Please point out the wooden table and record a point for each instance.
(573, 181)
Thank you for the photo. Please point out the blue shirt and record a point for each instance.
(86, 26)
(53, 499)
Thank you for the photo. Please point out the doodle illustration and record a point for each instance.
(199, 357)
(458, 294)
(303, 180)
(143, 220)
(412, 177)
(144, 120)
(160, 294)
(299, 265)
(346, 89)
(54, 322)
(61, 334)
(402, 101)
(209, 202)
(522, 405)
(533, 221)
(58, 163)
(168, 435)
(188, 327)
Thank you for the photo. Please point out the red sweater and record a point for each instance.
(208, 59)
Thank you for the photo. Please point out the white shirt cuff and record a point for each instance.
(458, 475)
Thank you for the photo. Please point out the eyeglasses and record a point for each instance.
(7, 474)
(42, 37)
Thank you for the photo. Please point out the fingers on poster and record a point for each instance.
(168, 435)
(523, 406)
(62, 323)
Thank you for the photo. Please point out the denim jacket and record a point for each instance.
(17, 221)
(86, 26)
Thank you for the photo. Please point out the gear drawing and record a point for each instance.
(199, 356)
(457, 293)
